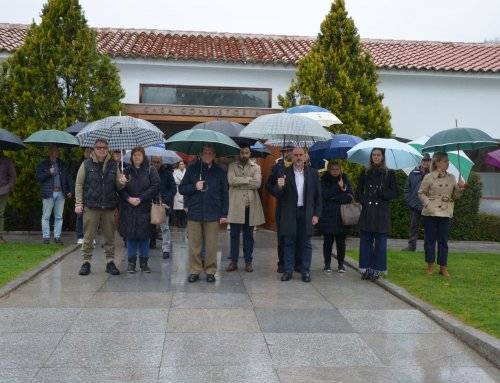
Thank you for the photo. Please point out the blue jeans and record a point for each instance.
(236, 228)
(56, 204)
(134, 246)
(436, 230)
(298, 246)
(372, 251)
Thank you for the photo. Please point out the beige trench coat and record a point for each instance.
(244, 181)
(438, 194)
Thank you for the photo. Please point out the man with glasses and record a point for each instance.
(97, 183)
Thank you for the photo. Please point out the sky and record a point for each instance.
(442, 20)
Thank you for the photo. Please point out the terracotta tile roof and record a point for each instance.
(284, 50)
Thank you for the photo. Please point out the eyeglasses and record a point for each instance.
(101, 147)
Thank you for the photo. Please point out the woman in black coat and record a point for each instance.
(135, 208)
(376, 188)
(335, 191)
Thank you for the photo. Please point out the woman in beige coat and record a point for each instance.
(245, 208)
(438, 192)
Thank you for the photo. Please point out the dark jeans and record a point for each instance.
(236, 228)
(79, 226)
(134, 246)
(298, 246)
(180, 218)
(436, 230)
(372, 250)
(415, 217)
(328, 240)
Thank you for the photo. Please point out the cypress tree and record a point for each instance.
(56, 77)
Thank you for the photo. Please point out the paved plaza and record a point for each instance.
(247, 327)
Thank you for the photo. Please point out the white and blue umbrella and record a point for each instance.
(316, 113)
(167, 156)
(398, 155)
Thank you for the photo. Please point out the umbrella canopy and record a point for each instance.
(229, 128)
(9, 141)
(316, 113)
(167, 156)
(192, 142)
(458, 160)
(282, 127)
(458, 139)
(259, 150)
(76, 127)
(121, 132)
(493, 158)
(335, 148)
(398, 155)
(51, 137)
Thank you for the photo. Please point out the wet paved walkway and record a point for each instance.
(247, 327)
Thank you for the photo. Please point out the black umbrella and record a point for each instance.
(9, 141)
(76, 127)
(229, 128)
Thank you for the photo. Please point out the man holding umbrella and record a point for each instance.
(205, 191)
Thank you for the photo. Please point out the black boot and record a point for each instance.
(131, 265)
(111, 268)
(144, 265)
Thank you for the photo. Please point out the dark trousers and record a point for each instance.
(372, 250)
(328, 240)
(436, 230)
(180, 218)
(415, 217)
(298, 247)
(79, 226)
(236, 229)
(137, 246)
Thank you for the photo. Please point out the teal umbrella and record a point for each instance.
(52, 137)
(192, 142)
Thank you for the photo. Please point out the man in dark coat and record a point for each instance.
(205, 191)
(299, 198)
(278, 170)
(7, 181)
(55, 186)
(168, 188)
(414, 204)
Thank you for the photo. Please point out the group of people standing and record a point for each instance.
(204, 195)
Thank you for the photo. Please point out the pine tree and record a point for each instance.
(55, 78)
(340, 76)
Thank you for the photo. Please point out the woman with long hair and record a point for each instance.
(376, 188)
(335, 191)
(438, 193)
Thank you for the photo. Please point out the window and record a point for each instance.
(206, 96)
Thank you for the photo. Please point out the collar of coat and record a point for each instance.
(250, 162)
(436, 174)
(106, 160)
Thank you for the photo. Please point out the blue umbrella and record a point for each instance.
(316, 113)
(336, 148)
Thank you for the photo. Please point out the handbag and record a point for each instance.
(350, 213)
(158, 214)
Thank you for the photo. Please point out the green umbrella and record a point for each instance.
(51, 137)
(192, 142)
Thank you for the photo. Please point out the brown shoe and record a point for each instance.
(443, 270)
(232, 267)
(429, 268)
(248, 268)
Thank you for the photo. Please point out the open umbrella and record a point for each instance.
(9, 141)
(316, 113)
(259, 150)
(76, 127)
(279, 128)
(335, 148)
(229, 128)
(398, 155)
(51, 137)
(493, 158)
(167, 156)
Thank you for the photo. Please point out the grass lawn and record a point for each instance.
(472, 293)
(16, 258)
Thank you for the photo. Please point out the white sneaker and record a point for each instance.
(80, 241)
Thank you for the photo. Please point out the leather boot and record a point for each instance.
(429, 268)
(443, 270)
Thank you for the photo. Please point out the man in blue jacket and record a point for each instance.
(205, 191)
(411, 195)
(55, 186)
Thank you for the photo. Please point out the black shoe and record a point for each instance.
(111, 268)
(85, 269)
(193, 278)
(46, 241)
(166, 255)
(131, 268)
(341, 269)
(286, 276)
(210, 278)
(327, 269)
(280, 269)
(58, 241)
(306, 277)
(374, 275)
(365, 275)
(144, 265)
